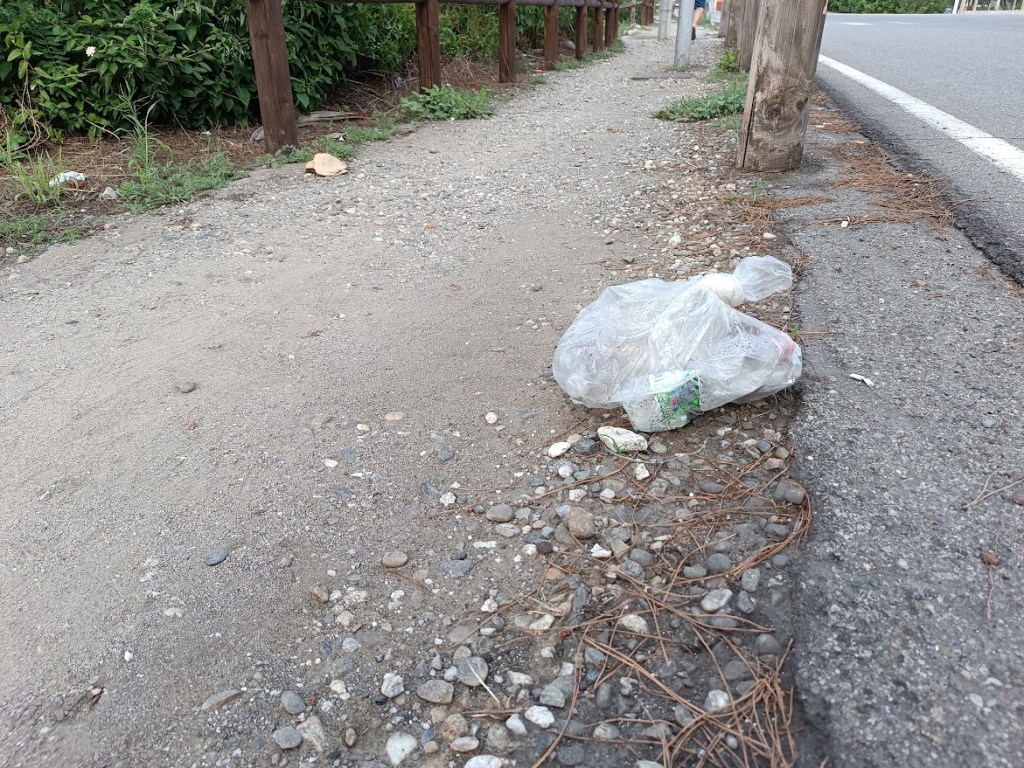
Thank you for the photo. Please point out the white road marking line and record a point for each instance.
(1005, 156)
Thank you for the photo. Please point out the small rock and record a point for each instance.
(457, 567)
(217, 557)
(552, 696)
(312, 732)
(490, 605)
(607, 495)
(539, 716)
(621, 440)
(400, 746)
(394, 559)
(716, 701)
(394, 416)
(219, 699)
(472, 671)
(393, 685)
(642, 556)
(789, 492)
(586, 446)
(350, 737)
(737, 670)
(716, 600)
(570, 754)
(491, 417)
(751, 579)
(185, 386)
(288, 737)
(499, 737)
(648, 764)
(767, 645)
(711, 487)
(631, 622)
(718, 563)
(580, 523)
(641, 472)
(600, 553)
(484, 761)
(502, 513)
(447, 499)
(436, 691)
(464, 744)
(555, 450)
(320, 594)
(516, 725)
(606, 732)
(453, 727)
(108, 193)
(292, 703)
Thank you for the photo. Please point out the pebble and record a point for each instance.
(454, 726)
(436, 691)
(350, 737)
(737, 670)
(185, 386)
(400, 746)
(606, 732)
(552, 696)
(648, 764)
(219, 699)
(642, 556)
(464, 744)
(447, 499)
(393, 685)
(517, 726)
(472, 671)
(580, 523)
(718, 563)
(288, 737)
(641, 472)
(499, 737)
(558, 449)
(751, 579)
(502, 513)
(457, 567)
(621, 440)
(789, 492)
(484, 761)
(716, 600)
(394, 416)
(710, 486)
(394, 559)
(716, 701)
(491, 417)
(767, 645)
(217, 557)
(600, 553)
(312, 732)
(586, 446)
(694, 571)
(570, 754)
(539, 716)
(631, 622)
(292, 703)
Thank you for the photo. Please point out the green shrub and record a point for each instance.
(442, 102)
(71, 65)
(729, 62)
(729, 101)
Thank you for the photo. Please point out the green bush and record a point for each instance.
(442, 102)
(472, 30)
(729, 101)
(887, 6)
(72, 65)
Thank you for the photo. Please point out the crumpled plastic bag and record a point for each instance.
(666, 351)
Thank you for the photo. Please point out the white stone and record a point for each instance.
(520, 678)
(558, 449)
(606, 732)
(393, 685)
(716, 701)
(489, 606)
(464, 744)
(716, 600)
(621, 440)
(648, 764)
(516, 725)
(338, 687)
(631, 622)
(577, 494)
(313, 733)
(400, 746)
(641, 472)
(330, 463)
(491, 417)
(484, 761)
(542, 624)
(447, 499)
(599, 552)
(540, 716)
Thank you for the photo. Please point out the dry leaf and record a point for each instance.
(324, 164)
(990, 558)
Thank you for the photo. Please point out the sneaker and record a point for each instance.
(693, 33)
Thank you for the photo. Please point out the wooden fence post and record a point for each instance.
(598, 32)
(723, 21)
(273, 81)
(781, 81)
(611, 24)
(581, 31)
(734, 24)
(428, 43)
(507, 42)
(551, 35)
(748, 30)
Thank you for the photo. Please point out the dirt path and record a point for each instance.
(434, 282)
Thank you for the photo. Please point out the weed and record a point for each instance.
(442, 102)
(538, 79)
(565, 64)
(730, 62)
(32, 231)
(727, 123)
(359, 134)
(32, 175)
(729, 101)
(174, 182)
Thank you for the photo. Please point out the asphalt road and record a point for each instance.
(971, 68)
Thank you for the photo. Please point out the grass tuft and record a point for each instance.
(729, 101)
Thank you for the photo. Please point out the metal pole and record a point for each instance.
(664, 11)
(684, 25)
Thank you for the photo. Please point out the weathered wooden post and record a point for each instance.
(273, 81)
(428, 43)
(507, 42)
(611, 24)
(734, 23)
(551, 35)
(748, 30)
(581, 30)
(780, 84)
(723, 21)
(598, 32)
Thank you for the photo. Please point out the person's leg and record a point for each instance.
(698, 14)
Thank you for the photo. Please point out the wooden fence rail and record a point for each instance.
(270, 52)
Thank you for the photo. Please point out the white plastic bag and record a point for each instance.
(666, 351)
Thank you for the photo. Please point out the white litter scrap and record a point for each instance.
(857, 377)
